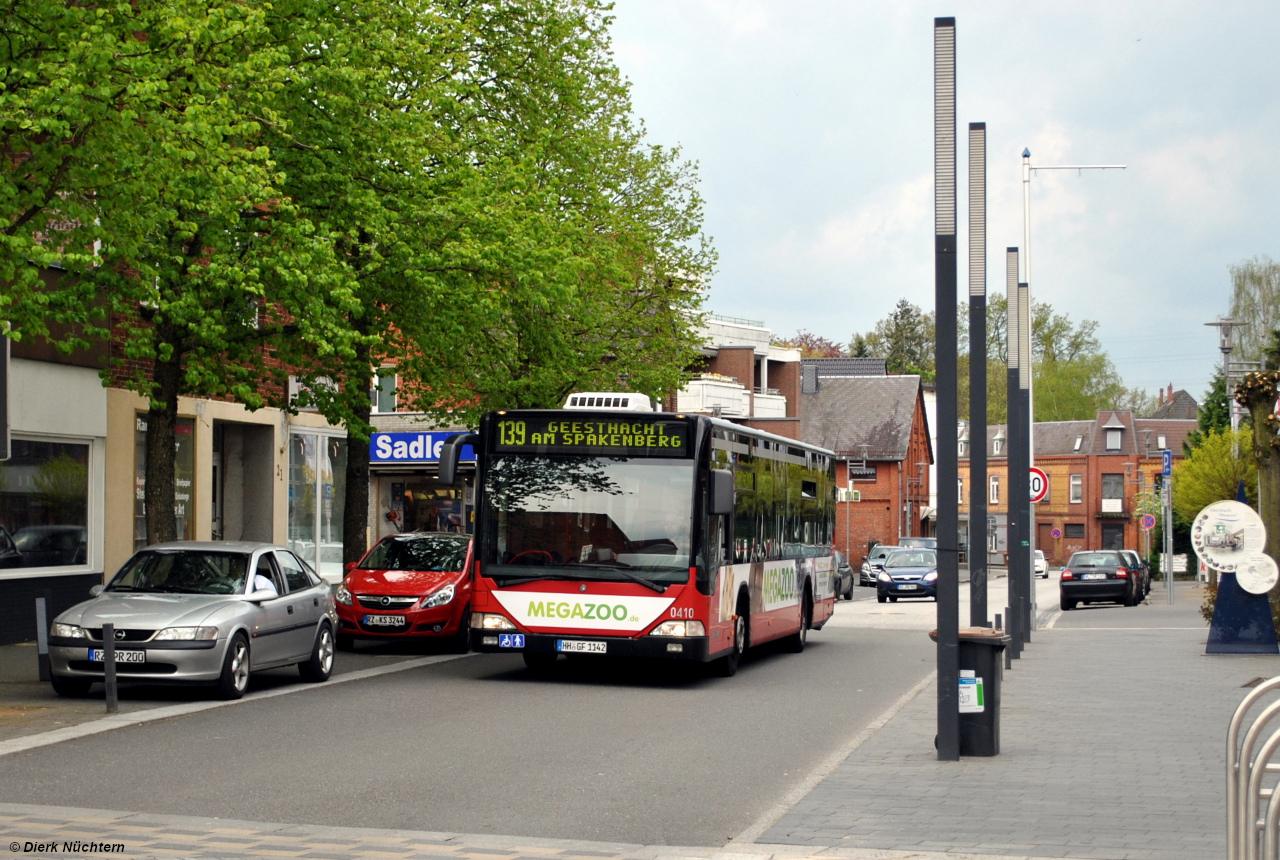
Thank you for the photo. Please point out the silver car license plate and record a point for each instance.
(578, 646)
(1093, 576)
(384, 620)
(908, 587)
(97, 655)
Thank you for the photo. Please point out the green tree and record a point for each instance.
(1215, 414)
(204, 264)
(1212, 471)
(905, 339)
(811, 345)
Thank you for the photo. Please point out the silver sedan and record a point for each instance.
(199, 612)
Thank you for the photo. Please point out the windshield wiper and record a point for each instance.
(625, 569)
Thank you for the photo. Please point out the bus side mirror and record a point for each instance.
(721, 492)
(449, 453)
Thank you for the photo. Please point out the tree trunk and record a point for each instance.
(162, 521)
(355, 515)
(1268, 482)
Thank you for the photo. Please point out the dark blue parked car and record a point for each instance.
(908, 573)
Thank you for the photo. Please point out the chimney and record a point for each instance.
(1170, 397)
(1160, 397)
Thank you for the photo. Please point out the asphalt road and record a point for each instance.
(602, 751)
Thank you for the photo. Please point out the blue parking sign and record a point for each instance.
(1167, 468)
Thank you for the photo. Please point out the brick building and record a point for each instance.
(877, 426)
(1099, 473)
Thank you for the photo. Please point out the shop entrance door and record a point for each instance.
(1113, 536)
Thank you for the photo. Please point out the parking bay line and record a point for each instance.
(823, 770)
(120, 721)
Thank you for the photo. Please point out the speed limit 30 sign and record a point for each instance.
(1039, 485)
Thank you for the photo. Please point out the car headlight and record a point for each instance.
(186, 634)
(437, 598)
(884, 577)
(342, 595)
(931, 576)
(491, 621)
(679, 628)
(68, 631)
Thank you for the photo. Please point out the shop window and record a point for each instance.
(44, 505)
(1073, 530)
(317, 495)
(184, 470)
(1077, 489)
(1113, 493)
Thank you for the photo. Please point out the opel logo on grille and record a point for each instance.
(386, 601)
(119, 634)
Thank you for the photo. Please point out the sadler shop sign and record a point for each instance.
(413, 447)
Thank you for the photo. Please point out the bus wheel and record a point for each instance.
(796, 641)
(540, 664)
(727, 667)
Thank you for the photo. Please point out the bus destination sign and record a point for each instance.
(629, 437)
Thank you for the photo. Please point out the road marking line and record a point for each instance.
(120, 721)
(1201, 629)
(782, 807)
(1048, 619)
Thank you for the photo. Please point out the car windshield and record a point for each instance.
(183, 571)
(1040, 555)
(418, 552)
(1094, 559)
(589, 517)
(914, 558)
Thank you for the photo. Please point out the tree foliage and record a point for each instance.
(904, 339)
(1255, 302)
(1215, 414)
(1212, 471)
(812, 345)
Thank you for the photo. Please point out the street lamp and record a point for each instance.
(1027, 169)
(1226, 345)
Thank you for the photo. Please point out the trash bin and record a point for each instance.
(981, 670)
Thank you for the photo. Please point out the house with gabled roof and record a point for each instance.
(878, 427)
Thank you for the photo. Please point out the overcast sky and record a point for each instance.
(812, 124)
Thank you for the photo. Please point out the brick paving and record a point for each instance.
(1111, 747)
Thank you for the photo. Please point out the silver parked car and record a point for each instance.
(199, 612)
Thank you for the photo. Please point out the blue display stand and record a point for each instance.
(1241, 621)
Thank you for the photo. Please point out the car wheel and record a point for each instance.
(70, 688)
(346, 642)
(320, 665)
(540, 663)
(881, 598)
(1067, 605)
(848, 592)
(235, 669)
(796, 641)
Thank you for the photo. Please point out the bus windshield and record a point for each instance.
(584, 517)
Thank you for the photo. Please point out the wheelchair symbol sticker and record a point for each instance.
(511, 640)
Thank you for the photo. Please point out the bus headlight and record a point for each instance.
(679, 628)
(490, 621)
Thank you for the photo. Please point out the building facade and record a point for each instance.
(1103, 475)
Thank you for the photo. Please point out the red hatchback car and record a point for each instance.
(408, 586)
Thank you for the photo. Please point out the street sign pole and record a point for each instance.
(1167, 497)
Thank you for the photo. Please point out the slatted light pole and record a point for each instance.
(944, 186)
(977, 375)
(1013, 435)
(1020, 469)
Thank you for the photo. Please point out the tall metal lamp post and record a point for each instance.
(1027, 170)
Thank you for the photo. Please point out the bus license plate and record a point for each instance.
(577, 646)
(97, 655)
(384, 620)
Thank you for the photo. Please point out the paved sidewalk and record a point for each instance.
(1111, 747)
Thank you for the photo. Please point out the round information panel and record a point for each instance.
(1257, 573)
(1226, 533)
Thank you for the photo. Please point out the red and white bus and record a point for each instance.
(634, 533)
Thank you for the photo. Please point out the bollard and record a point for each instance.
(1008, 652)
(109, 665)
(42, 638)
